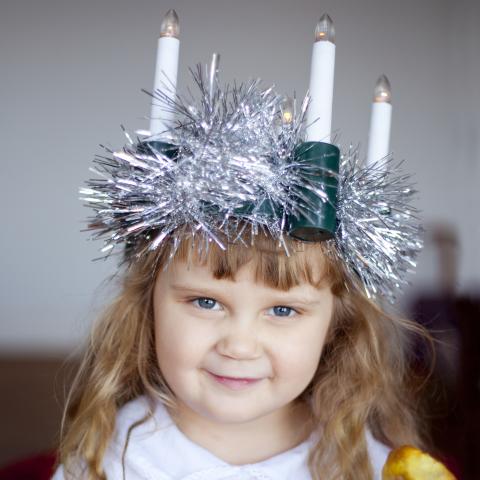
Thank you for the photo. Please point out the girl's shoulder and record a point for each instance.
(138, 416)
(136, 421)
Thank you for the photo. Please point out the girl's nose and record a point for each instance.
(239, 342)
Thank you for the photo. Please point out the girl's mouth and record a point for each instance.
(234, 383)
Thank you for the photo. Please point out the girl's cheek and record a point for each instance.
(296, 360)
(182, 334)
(300, 350)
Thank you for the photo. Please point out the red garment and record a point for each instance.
(38, 467)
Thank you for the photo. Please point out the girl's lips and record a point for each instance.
(234, 383)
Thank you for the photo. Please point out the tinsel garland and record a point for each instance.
(233, 170)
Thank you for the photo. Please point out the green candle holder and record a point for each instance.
(323, 160)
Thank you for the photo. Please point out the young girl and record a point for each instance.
(161, 391)
(242, 364)
(246, 341)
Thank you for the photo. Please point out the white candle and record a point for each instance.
(319, 115)
(380, 122)
(165, 71)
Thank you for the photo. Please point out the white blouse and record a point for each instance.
(158, 450)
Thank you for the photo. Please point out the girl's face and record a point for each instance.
(213, 334)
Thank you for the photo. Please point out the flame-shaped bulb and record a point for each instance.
(383, 91)
(325, 31)
(287, 111)
(170, 26)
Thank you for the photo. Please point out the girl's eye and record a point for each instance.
(282, 311)
(207, 303)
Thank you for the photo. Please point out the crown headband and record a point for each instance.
(237, 162)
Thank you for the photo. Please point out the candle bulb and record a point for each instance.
(287, 111)
(165, 71)
(169, 26)
(319, 114)
(380, 121)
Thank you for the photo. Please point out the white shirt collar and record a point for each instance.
(158, 450)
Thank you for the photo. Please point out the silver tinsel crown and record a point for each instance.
(228, 166)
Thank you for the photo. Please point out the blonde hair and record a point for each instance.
(361, 381)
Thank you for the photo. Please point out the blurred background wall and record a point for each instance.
(71, 73)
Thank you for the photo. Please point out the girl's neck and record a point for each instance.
(251, 442)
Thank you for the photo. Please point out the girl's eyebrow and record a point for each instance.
(199, 291)
(191, 288)
(288, 297)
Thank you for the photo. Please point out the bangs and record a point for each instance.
(306, 263)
